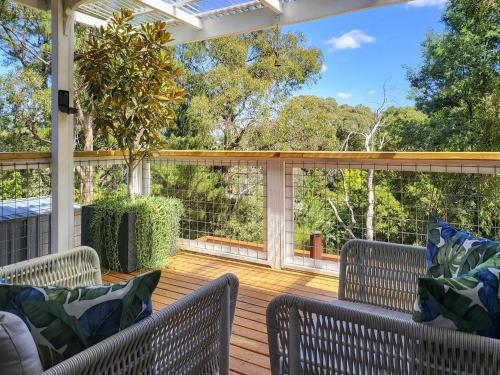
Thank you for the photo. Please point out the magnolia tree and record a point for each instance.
(128, 74)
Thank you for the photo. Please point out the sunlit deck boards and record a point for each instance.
(258, 285)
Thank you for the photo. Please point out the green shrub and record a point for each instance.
(157, 228)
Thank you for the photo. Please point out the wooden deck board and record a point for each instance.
(258, 285)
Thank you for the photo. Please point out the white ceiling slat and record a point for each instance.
(89, 20)
(293, 12)
(173, 12)
(274, 5)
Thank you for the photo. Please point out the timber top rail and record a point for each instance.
(287, 155)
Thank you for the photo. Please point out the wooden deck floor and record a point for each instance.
(258, 285)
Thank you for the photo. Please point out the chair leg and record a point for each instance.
(225, 334)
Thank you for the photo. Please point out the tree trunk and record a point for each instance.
(130, 176)
(85, 172)
(370, 212)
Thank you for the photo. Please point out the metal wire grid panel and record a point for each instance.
(95, 178)
(25, 208)
(224, 203)
(328, 203)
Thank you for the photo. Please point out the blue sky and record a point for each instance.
(365, 49)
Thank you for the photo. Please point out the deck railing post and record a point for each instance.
(62, 166)
(275, 214)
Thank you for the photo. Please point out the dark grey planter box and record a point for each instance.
(127, 249)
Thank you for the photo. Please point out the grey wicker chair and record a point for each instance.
(369, 329)
(191, 336)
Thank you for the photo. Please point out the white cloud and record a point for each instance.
(324, 68)
(344, 95)
(351, 40)
(426, 3)
(372, 92)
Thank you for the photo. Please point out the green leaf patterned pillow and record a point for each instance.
(452, 252)
(65, 321)
(468, 303)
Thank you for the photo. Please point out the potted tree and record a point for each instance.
(127, 72)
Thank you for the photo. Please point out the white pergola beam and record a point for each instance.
(173, 12)
(35, 4)
(85, 19)
(274, 5)
(293, 12)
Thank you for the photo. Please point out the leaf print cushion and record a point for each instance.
(65, 321)
(451, 252)
(468, 303)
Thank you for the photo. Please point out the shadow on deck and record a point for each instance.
(258, 285)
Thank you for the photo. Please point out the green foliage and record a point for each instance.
(156, 229)
(406, 129)
(25, 37)
(24, 85)
(128, 74)
(304, 123)
(234, 84)
(24, 111)
(457, 84)
(217, 202)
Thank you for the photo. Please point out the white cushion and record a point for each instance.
(18, 353)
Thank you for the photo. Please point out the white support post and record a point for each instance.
(62, 221)
(146, 177)
(275, 215)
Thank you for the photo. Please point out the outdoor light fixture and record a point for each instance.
(63, 102)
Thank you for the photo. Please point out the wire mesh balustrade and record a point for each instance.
(331, 202)
(224, 201)
(25, 210)
(229, 205)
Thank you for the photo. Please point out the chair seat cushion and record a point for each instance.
(469, 303)
(65, 321)
(18, 354)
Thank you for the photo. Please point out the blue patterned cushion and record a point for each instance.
(468, 303)
(65, 321)
(451, 252)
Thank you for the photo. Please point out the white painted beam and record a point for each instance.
(294, 12)
(62, 217)
(35, 4)
(274, 5)
(171, 11)
(85, 19)
(74, 4)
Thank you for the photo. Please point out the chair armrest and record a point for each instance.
(313, 337)
(190, 336)
(381, 273)
(76, 267)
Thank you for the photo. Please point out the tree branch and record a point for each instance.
(339, 219)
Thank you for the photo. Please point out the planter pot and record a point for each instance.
(127, 248)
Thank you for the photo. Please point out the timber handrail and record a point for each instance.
(289, 155)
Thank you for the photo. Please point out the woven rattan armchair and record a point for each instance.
(369, 329)
(191, 336)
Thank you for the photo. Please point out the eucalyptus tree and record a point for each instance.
(236, 83)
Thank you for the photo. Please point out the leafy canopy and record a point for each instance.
(458, 82)
(128, 73)
(236, 83)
